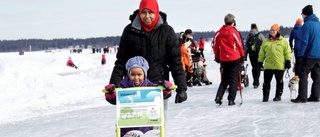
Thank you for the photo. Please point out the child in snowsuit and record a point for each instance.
(103, 60)
(201, 75)
(137, 68)
(70, 63)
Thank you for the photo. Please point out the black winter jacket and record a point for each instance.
(160, 48)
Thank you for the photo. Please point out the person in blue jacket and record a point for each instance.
(295, 42)
(309, 57)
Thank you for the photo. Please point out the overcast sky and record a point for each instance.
(48, 19)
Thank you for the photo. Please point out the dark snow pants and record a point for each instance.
(229, 76)
(268, 74)
(255, 69)
(309, 65)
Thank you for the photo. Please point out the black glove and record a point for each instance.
(181, 96)
(260, 65)
(217, 60)
(287, 65)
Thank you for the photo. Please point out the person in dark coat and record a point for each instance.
(253, 47)
(149, 35)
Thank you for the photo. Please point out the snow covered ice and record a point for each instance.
(41, 96)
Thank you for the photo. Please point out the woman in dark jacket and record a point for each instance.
(149, 35)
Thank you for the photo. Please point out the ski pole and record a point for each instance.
(240, 88)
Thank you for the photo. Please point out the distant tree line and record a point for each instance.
(101, 42)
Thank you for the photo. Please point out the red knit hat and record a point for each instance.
(153, 6)
(299, 21)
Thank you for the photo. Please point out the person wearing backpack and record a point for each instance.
(253, 45)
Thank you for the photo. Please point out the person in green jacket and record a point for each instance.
(274, 58)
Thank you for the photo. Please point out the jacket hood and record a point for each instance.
(134, 18)
(226, 30)
(311, 17)
(296, 26)
(254, 31)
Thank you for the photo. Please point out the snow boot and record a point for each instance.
(278, 95)
(218, 100)
(265, 95)
(231, 102)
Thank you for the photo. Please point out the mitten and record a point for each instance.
(287, 65)
(167, 85)
(110, 88)
(181, 96)
(260, 66)
(217, 60)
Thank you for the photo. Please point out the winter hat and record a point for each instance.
(299, 21)
(229, 19)
(69, 57)
(254, 26)
(275, 27)
(137, 62)
(153, 6)
(307, 10)
(188, 31)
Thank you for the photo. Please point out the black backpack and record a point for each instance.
(254, 44)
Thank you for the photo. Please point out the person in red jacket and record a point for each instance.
(70, 63)
(228, 51)
(103, 60)
(201, 46)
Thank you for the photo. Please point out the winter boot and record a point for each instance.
(218, 100)
(265, 95)
(231, 102)
(278, 95)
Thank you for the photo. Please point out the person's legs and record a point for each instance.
(255, 70)
(234, 68)
(279, 86)
(201, 52)
(303, 83)
(315, 75)
(268, 74)
(224, 82)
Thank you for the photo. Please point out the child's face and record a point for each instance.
(137, 76)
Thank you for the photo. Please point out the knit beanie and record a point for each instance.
(299, 21)
(154, 7)
(307, 10)
(229, 19)
(137, 62)
(188, 31)
(275, 27)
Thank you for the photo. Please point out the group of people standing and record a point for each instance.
(149, 33)
(272, 55)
